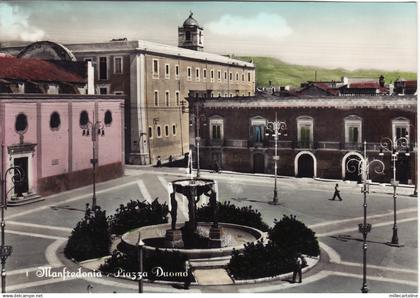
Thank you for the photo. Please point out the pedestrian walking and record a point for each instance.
(189, 277)
(336, 193)
(159, 162)
(298, 268)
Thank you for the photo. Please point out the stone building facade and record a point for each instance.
(156, 79)
(322, 134)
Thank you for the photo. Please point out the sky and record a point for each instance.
(328, 34)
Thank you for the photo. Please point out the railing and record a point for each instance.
(328, 146)
(216, 142)
(304, 145)
(352, 146)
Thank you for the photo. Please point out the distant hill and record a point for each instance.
(282, 73)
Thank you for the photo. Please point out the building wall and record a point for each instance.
(138, 144)
(329, 147)
(61, 157)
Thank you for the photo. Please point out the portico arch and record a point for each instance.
(343, 162)
(297, 162)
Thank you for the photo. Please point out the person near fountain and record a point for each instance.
(214, 207)
(189, 278)
(174, 210)
(299, 262)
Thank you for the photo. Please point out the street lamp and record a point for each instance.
(276, 128)
(140, 245)
(94, 129)
(6, 250)
(362, 169)
(395, 146)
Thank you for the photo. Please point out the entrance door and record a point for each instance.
(22, 186)
(403, 168)
(259, 166)
(352, 171)
(306, 166)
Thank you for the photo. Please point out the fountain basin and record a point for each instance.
(234, 237)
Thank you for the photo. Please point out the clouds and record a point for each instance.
(263, 25)
(14, 25)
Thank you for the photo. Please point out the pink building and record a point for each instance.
(46, 127)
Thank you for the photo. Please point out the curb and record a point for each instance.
(277, 277)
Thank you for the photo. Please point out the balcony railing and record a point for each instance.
(328, 145)
(304, 145)
(236, 143)
(353, 146)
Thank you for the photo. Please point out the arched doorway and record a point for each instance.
(259, 163)
(403, 168)
(351, 167)
(305, 164)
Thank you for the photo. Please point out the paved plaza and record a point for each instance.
(38, 232)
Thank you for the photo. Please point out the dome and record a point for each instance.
(190, 22)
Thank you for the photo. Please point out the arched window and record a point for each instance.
(108, 118)
(55, 121)
(84, 119)
(21, 124)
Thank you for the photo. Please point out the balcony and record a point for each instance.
(352, 146)
(304, 145)
(216, 142)
(236, 143)
(328, 146)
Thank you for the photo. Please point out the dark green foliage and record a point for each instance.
(288, 238)
(90, 238)
(259, 260)
(294, 236)
(168, 261)
(138, 214)
(229, 213)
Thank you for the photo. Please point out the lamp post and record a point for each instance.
(6, 250)
(276, 128)
(362, 169)
(395, 146)
(140, 245)
(94, 129)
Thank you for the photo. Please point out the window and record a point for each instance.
(204, 74)
(155, 68)
(118, 65)
(188, 35)
(150, 132)
(230, 76)
(249, 77)
(219, 75)
(108, 118)
(177, 98)
(166, 130)
(197, 74)
(55, 121)
(225, 75)
(21, 123)
(243, 77)
(84, 119)
(167, 98)
(103, 90)
(103, 68)
(173, 129)
(216, 128)
(305, 131)
(177, 72)
(156, 98)
(189, 75)
(258, 129)
(401, 128)
(237, 76)
(212, 75)
(353, 129)
(158, 131)
(167, 71)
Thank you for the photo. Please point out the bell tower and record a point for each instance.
(190, 35)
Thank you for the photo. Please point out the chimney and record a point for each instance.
(90, 78)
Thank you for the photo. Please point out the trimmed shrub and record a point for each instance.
(294, 236)
(287, 238)
(137, 214)
(230, 213)
(90, 238)
(170, 262)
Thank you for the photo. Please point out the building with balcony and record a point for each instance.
(323, 133)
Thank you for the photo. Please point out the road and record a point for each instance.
(38, 232)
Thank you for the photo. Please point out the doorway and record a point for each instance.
(21, 186)
(259, 163)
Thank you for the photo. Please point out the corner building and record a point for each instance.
(156, 79)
